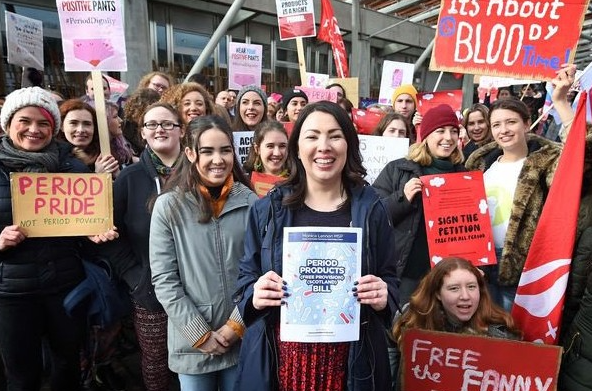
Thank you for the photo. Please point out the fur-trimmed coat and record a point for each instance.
(534, 181)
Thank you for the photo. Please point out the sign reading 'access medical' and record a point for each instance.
(516, 38)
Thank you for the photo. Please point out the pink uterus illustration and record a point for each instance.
(93, 51)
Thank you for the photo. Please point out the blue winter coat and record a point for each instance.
(368, 367)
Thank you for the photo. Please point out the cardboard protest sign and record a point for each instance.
(244, 65)
(242, 145)
(92, 35)
(295, 19)
(394, 74)
(457, 217)
(378, 151)
(48, 204)
(263, 183)
(351, 87)
(515, 38)
(316, 80)
(24, 40)
(318, 94)
(443, 361)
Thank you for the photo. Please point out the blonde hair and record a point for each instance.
(420, 154)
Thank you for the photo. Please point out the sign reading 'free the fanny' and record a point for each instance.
(515, 38)
(62, 204)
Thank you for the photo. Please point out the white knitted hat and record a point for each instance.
(30, 96)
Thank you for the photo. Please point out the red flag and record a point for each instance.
(329, 32)
(541, 290)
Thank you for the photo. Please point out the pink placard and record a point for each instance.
(93, 36)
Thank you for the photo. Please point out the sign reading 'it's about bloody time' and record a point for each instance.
(515, 38)
(62, 204)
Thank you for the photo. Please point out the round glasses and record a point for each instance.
(165, 125)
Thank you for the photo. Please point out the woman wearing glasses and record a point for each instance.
(135, 188)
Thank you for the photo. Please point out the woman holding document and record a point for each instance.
(326, 188)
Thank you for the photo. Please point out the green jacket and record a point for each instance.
(194, 271)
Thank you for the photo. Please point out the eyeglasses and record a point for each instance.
(165, 125)
(159, 87)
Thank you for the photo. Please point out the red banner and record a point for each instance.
(515, 38)
(329, 32)
(443, 362)
(457, 217)
(541, 290)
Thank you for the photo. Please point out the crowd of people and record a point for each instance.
(200, 253)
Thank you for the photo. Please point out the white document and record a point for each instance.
(320, 266)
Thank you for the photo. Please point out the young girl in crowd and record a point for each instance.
(476, 123)
(400, 185)
(393, 125)
(325, 188)
(162, 129)
(250, 108)
(452, 297)
(294, 101)
(134, 109)
(518, 172)
(196, 239)
(79, 128)
(269, 151)
(157, 81)
(190, 99)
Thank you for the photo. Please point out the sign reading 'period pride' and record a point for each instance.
(515, 38)
(62, 204)
(92, 35)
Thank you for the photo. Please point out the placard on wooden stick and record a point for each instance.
(58, 204)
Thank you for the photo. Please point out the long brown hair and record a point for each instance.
(89, 154)
(187, 178)
(425, 310)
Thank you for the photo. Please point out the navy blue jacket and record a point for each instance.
(39, 266)
(368, 367)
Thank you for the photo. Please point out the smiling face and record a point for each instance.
(78, 127)
(293, 108)
(459, 295)
(193, 105)
(251, 108)
(213, 158)
(165, 143)
(509, 130)
(322, 149)
(396, 128)
(404, 105)
(29, 130)
(477, 127)
(273, 152)
(442, 141)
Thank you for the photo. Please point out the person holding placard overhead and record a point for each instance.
(36, 273)
(518, 172)
(325, 187)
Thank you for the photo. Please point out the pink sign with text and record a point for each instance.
(93, 36)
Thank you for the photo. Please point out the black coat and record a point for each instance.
(133, 190)
(405, 216)
(40, 266)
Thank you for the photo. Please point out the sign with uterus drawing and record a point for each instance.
(93, 36)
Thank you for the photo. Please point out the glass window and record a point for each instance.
(187, 47)
(161, 47)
